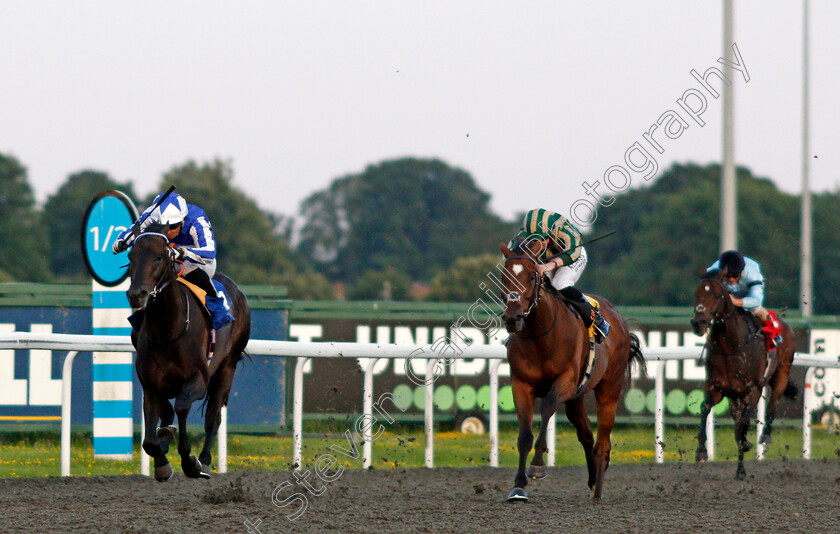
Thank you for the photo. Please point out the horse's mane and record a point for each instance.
(156, 228)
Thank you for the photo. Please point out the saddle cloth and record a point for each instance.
(216, 306)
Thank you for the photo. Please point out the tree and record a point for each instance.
(389, 284)
(23, 237)
(250, 250)
(462, 281)
(63, 213)
(414, 215)
(669, 233)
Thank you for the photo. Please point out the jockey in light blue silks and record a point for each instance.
(745, 283)
(190, 232)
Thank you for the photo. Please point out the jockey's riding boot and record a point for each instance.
(602, 327)
(202, 280)
(587, 312)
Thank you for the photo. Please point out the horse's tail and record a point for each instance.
(636, 355)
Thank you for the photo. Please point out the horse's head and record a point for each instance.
(521, 282)
(151, 268)
(709, 301)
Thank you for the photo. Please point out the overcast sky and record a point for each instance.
(531, 98)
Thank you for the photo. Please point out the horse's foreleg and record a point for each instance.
(523, 399)
(151, 442)
(576, 413)
(537, 468)
(165, 432)
(194, 390)
(217, 393)
(710, 399)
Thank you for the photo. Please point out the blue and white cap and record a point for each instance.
(173, 210)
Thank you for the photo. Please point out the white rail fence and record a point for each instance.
(373, 352)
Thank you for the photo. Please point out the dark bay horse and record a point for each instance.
(172, 345)
(736, 364)
(548, 351)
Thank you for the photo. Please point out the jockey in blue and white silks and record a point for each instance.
(745, 283)
(190, 232)
(188, 229)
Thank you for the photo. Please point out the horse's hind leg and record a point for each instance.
(151, 441)
(217, 395)
(537, 469)
(710, 399)
(741, 410)
(576, 413)
(778, 384)
(523, 398)
(607, 399)
(195, 389)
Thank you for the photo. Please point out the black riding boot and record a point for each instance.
(202, 280)
(587, 312)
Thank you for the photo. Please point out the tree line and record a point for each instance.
(422, 229)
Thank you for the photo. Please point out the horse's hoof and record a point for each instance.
(701, 456)
(748, 446)
(517, 495)
(766, 440)
(193, 468)
(741, 474)
(537, 472)
(205, 472)
(163, 473)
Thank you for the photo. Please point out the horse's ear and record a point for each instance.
(504, 249)
(715, 274)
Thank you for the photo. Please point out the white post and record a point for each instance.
(659, 414)
(494, 412)
(806, 414)
(429, 411)
(145, 467)
(222, 437)
(551, 439)
(806, 234)
(761, 413)
(367, 414)
(66, 399)
(710, 435)
(297, 415)
(728, 188)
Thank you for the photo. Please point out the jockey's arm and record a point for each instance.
(203, 250)
(755, 297)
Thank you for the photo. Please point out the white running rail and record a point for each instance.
(374, 351)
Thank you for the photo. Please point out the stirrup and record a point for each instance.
(602, 328)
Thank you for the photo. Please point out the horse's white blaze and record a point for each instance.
(517, 268)
(707, 288)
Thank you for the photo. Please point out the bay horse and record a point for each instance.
(737, 365)
(172, 345)
(548, 352)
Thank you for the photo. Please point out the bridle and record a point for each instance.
(162, 284)
(719, 303)
(514, 296)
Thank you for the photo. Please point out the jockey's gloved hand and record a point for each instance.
(178, 253)
(119, 246)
